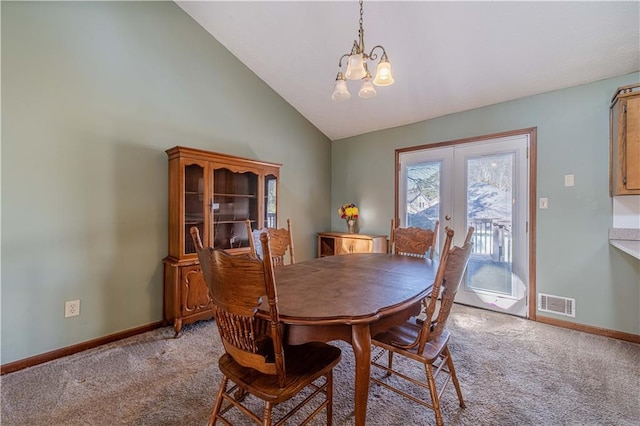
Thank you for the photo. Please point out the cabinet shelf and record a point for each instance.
(217, 222)
(216, 194)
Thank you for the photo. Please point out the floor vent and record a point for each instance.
(557, 305)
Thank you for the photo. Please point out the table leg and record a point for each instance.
(361, 343)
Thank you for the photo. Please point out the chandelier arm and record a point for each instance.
(341, 58)
(374, 56)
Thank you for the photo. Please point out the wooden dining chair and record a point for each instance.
(256, 361)
(281, 241)
(426, 340)
(413, 241)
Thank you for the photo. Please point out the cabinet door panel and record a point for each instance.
(342, 246)
(270, 205)
(632, 165)
(235, 199)
(360, 246)
(352, 245)
(195, 292)
(195, 201)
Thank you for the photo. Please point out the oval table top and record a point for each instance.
(353, 288)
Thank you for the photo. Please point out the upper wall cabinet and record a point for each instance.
(624, 124)
(216, 193)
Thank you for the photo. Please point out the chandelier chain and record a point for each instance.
(361, 30)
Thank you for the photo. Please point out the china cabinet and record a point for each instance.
(216, 193)
(624, 165)
(336, 243)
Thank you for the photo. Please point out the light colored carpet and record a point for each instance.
(512, 372)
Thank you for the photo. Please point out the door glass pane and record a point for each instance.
(423, 194)
(270, 219)
(490, 212)
(194, 203)
(235, 199)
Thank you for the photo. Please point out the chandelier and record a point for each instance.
(357, 69)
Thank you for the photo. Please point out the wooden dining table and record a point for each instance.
(351, 298)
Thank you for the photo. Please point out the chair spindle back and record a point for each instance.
(280, 239)
(239, 285)
(446, 289)
(413, 241)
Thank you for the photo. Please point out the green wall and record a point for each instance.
(93, 93)
(574, 258)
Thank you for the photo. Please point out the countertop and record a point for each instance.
(626, 239)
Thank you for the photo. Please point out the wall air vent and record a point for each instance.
(557, 305)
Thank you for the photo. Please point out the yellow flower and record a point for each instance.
(348, 212)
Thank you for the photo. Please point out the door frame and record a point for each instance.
(533, 167)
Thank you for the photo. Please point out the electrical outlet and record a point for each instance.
(72, 308)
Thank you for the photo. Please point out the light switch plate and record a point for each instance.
(569, 180)
(544, 203)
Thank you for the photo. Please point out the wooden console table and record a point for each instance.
(334, 243)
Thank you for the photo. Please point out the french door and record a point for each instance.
(484, 184)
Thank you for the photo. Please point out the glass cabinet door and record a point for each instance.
(194, 203)
(235, 199)
(270, 188)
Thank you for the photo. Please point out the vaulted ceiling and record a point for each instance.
(446, 56)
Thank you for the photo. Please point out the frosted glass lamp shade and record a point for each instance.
(340, 92)
(383, 74)
(367, 90)
(355, 67)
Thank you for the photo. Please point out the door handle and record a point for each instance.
(447, 217)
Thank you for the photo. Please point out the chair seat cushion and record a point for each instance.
(406, 334)
(304, 364)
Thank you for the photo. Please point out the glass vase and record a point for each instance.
(351, 226)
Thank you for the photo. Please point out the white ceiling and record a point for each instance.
(446, 57)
